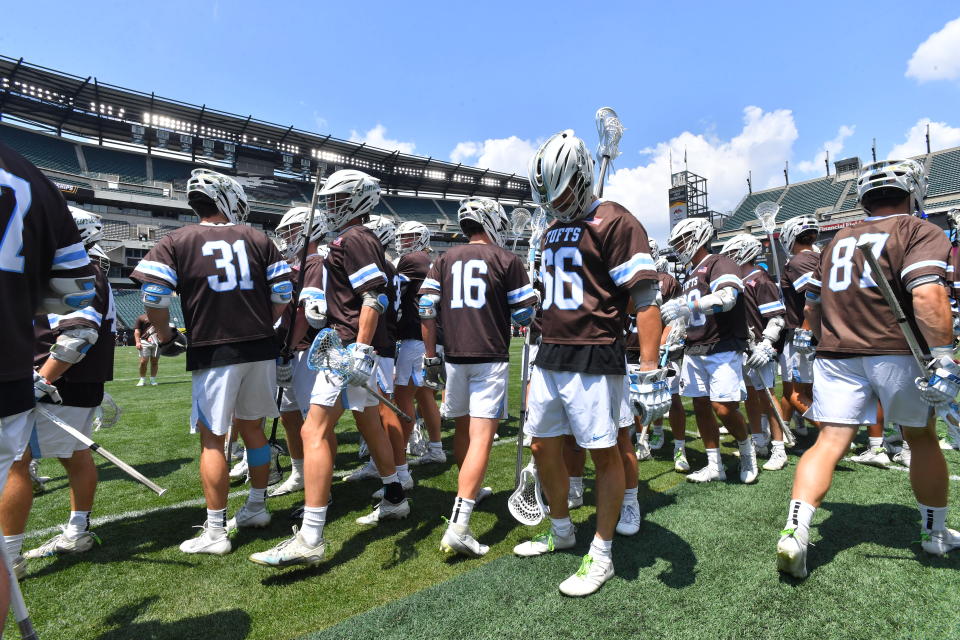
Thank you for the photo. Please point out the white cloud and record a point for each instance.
(762, 146)
(831, 147)
(509, 155)
(942, 136)
(938, 57)
(377, 137)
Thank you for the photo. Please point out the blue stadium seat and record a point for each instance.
(131, 167)
(42, 150)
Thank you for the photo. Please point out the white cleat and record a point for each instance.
(952, 441)
(591, 575)
(903, 456)
(791, 555)
(19, 567)
(630, 519)
(240, 470)
(748, 465)
(574, 498)
(211, 540)
(708, 474)
(876, 457)
(777, 461)
(545, 543)
(462, 542)
(142, 383)
(292, 484)
(61, 543)
(291, 551)
(483, 494)
(656, 440)
(432, 456)
(365, 472)
(680, 464)
(938, 543)
(386, 511)
(245, 518)
(153, 382)
(406, 483)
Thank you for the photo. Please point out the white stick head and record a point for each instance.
(519, 219)
(766, 213)
(610, 130)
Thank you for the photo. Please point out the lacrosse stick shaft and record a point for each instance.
(524, 376)
(773, 255)
(604, 165)
(757, 379)
(17, 603)
(228, 445)
(387, 402)
(130, 471)
(273, 429)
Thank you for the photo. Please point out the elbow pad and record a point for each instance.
(428, 305)
(774, 328)
(646, 293)
(156, 296)
(281, 292)
(927, 279)
(376, 301)
(66, 295)
(719, 301)
(812, 298)
(522, 317)
(73, 344)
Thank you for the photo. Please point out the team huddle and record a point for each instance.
(347, 312)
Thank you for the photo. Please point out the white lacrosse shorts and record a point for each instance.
(47, 440)
(409, 370)
(478, 389)
(531, 356)
(148, 349)
(385, 373)
(584, 405)
(328, 389)
(288, 401)
(303, 381)
(626, 412)
(795, 367)
(765, 375)
(245, 390)
(15, 433)
(718, 376)
(847, 391)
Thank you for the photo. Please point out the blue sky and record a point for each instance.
(741, 86)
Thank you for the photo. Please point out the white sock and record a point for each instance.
(713, 457)
(562, 527)
(257, 497)
(679, 444)
(462, 509)
(601, 549)
(296, 465)
(759, 439)
(78, 523)
(313, 520)
(658, 429)
(799, 517)
(216, 518)
(436, 446)
(393, 477)
(14, 545)
(776, 445)
(630, 495)
(875, 442)
(403, 471)
(153, 378)
(932, 518)
(576, 484)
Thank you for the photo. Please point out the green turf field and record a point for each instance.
(701, 567)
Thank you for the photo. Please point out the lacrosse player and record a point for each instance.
(47, 271)
(595, 259)
(796, 369)
(953, 277)
(479, 288)
(355, 297)
(233, 285)
(143, 333)
(413, 245)
(863, 357)
(712, 308)
(74, 353)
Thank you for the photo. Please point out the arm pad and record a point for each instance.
(376, 301)
(428, 305)
(927, 279)
(717, 302)
(156, 296)
(66, 295)
(522, 317)
(73, 344)
(812, 298)
(774, 328)
(646, 293)
(281, 292)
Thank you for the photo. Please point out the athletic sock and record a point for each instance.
(78, 523)
(576, 484)
(658, 429)
(313, 520)
(875, 442)
(393, 477)
(601, 549)
(14, 545)
(153, 379)
(296, 465)
(257, 498)
(679, 444)
(713, 458)
(462, 509)
(799, 517)
(759, 440)
(403, 472)
(216, 518)
(435, 446)
(630, 497)
(776, 445)
(932, 518)
(562, 527)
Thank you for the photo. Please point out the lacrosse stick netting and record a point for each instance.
(520, 218)
(610, 130)
(526, 504)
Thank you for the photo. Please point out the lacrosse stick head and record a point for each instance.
(328, 354)
(526, 505)
(538, 225)
(766, 213)
(108, 413)
(519, 219)
(610, 130)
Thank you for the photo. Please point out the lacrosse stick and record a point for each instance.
(766, 213)
(327, 354)
(526, 503)
(521, 218)
(788, 437)
(19, 606)
(130, 471)
(108, 413)
(228, 446)
(950, 413)
(610, 131)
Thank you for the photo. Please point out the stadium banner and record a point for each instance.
(836, 226)
(678, 204)
(65, 188)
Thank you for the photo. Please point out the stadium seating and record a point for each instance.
(116, 230)
(413, 209)
(130, 167)
(166, 170)
(806, 197)
(944, 173)
(129, 306)
(744, 213)
(41, 150)
(850, 202)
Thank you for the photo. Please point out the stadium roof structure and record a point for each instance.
(85, 107)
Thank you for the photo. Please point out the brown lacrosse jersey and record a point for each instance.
(669, 289)
(761, 298)
(855, 319)
(38, 240)
(224, 274)
(796, 273)
(412, 268)
(356, 264)
(714, 333)
(478, 285)
(385, 339)
(953, 274)
(142, 324)
(313, 286)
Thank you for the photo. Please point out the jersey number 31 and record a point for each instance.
(226, 253)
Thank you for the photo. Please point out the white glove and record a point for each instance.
(803, 341)
(943, 385)
(761, 354)
(284, 373)
(675, 309)
(434, 373)
(361, 363)
(315, 310)
(44, 389)
(649, 393)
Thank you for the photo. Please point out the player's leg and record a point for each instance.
(154, 368)
(82, 475)
(15, 430)
(575, 460)
(678, 427)
(15, 505)
(253, 513)
(430, 412)
(766, 376)
(727, 389)
(754, 411)
(292, 422)
(630, 514)
(876, 454)
(143, 368)
(695, 380)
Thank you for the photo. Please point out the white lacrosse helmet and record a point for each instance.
(795, 227)
(290, 230)
(953, 220)
(89, 225)
(225, 192)
(348, 194)
(654, 249)
(99, 256)
(412, 236)
(878, 178)
(384, 228)
(662, 265)
(488, 213)
(742, 248)
(689, 235)
(561, 176)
